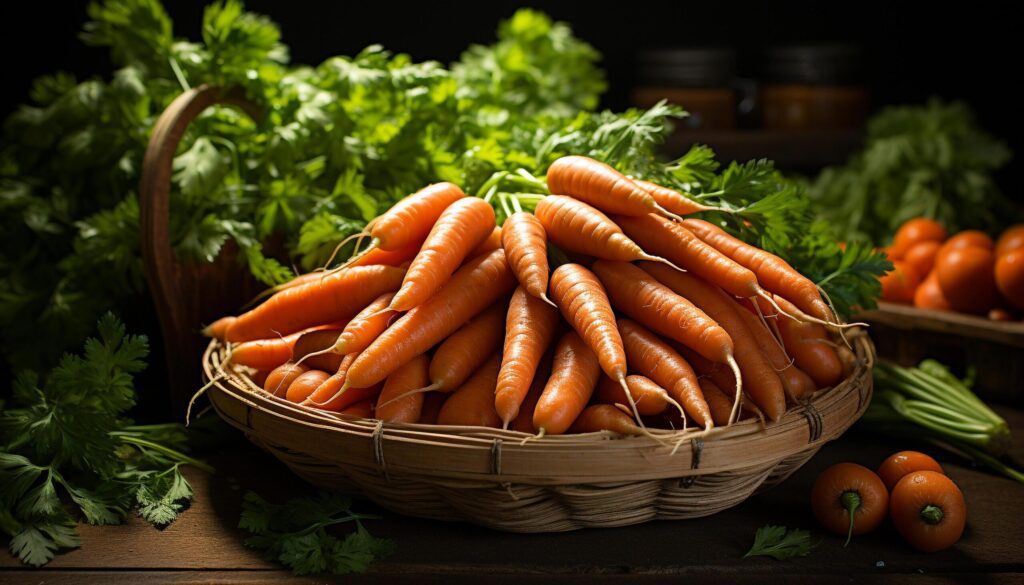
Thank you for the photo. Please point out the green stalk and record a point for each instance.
(176, 455)
(851, 502)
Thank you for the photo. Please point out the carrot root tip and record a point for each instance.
(738, 399)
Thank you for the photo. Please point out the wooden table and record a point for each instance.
(204, 546)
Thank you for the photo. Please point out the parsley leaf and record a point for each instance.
(780, 543)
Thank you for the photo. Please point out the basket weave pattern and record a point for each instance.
(557, 483)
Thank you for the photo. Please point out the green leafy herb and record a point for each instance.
(66, 450)
(780, 543)
(296, 534)
(930, 161)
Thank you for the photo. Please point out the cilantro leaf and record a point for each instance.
(162, 496)
(780, 543)
(36, 543)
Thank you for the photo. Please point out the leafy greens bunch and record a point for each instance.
(66, 450)
(930, 160)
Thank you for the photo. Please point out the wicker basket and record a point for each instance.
(493, 478)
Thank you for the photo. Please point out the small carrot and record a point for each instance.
(304, 385)
(577, 227)
(655, 359)
(264, 354)
(795, 381)
(467, 349)
(411, 219)
(605, 417)
(474, 287)
(808, 344)
(492, 243)
(312, 348)
(574, 376)
(473, 403)
(218, 328)
(601, 186)
(774, 273)
(395, 403)
(525, 241)
(671, 200)
(363, 409)
(650, 398)
(463, 226)
(529, 329)
(366, 326)
(334, 298)
(523, 422)
(329, 395)
(760, 380)
(281, 377)
(719, 404)
(723, 378)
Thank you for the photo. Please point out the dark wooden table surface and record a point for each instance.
(204, 546)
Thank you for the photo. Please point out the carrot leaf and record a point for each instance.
(780, 543)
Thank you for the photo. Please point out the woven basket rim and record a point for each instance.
(477, 453)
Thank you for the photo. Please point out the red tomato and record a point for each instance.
(922, 256)
(1010, 277)
(913, 231)
(899, 464)
(967, 278)
(969, 238)
(929, 295)
(899, 284)
(1012, 238)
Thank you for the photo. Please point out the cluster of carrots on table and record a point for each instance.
(655, 319)
(967, 272)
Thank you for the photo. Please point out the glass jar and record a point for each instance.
(700, 80)
(813, 87)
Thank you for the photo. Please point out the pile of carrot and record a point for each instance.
(657, 320)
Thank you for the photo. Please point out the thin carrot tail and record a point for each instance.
(341, 392)
(539, 435)
(327, 350)
(374, 244)
(341, 244)
(544, 297)
(650, 258)
(430, 388)
(801, 316)
(738, 399)
(200, 392)
(832, 309)
(757, 307)
(636, 414)
(667, 213)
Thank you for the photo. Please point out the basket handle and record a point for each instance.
(162, 275)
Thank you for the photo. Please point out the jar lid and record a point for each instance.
(686, 67)
(814, 64)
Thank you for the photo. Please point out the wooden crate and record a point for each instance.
(995, 349)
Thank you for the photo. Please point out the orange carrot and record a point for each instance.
(650, 398)
(810, 347)
(474, 287)
(794, 380)
(584, 304)
(467, 349)
(334, 298)
(759, 378)
(432, 403)
(492, 243)
(218, 328)
(672, 200)
(380, 256)
(578, 227)
(366, 326)
(574, 376)
(529, 328)
(774, 273)
(601, 186)
(719, 404)
(281, 377)
(463, 226)
(363, 409)
(312, 348)
(260, 377)
(395, 403)
(723, 378)
(605, 417)
(329, 395)
(525, 243)
(473, 403)
(676, 243)
(655, 359)
(305, 384)
(264, 354)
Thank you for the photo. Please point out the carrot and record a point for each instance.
(260, 377)
(312, 348)
(678, 244)
(650, 398)
(492, 243)
(760, 380)
(643, 298)
(574, 376)
(719, 404)
(329, 395)
(474, 287)
(366, 326)
(529, 328)
(466, 350)
(671, 200)
(264, 354)
(281, 377)
(218, 328)
(432, 403)
(395, 404)
(723, 378)
(334, 298)
(578, 227)
(652, 357)
(304, 385)
(363, 409)
(411, 219)
(605, 417)
(524, 240)
(795, 381)
(601, 186)
(774, 273)
(463, 226)
(473, 403)
(808, 344)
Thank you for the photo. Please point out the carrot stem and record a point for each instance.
(932, 514)
(851, 503)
